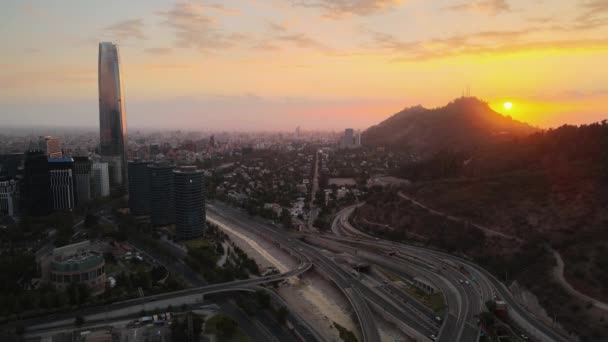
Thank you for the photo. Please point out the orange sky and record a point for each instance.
(277, 64)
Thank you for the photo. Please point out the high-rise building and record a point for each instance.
(61, 183)
(112, 115)
(51, 146)
(36, 184)
(10, 164)
(100, 180)
(350, 140)
(139, 188)
(189, 202)
(82, 179)
(9, 197)
(154, 149)
(161, 194)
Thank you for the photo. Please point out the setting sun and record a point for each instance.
(508, 105)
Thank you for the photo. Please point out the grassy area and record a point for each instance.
(345, 334)
(211, 328)
(197, 243)
(391, 276)
(434, 301)
(112, 268)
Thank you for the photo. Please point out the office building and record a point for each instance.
(9, 197)
(350, 139)
(100, 180)
(74, 264)
(51, 146)
(82, 179)
(189, 202)
(161, 194)
(112, 115)
(10, 164)
(36, 184)
(139, 188)
(61, 183)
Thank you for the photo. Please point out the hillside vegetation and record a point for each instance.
(548, 190)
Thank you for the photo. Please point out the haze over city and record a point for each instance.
(278, 64)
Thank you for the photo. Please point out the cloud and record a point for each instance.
(491, 7)
(195, 28)
(341, 8)
(302, 40)
(126, 29)
(479, 43)
(158, 51)
(279, 34)
(591, 10)
(11, 78)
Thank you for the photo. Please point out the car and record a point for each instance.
(466, 282)
(524, 337)
(433, 337)
(438, 319)
(461, 281)
(384, 282)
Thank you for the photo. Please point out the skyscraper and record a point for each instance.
(189, 201)
(139, 188)
(51, 146)
(100, 180)
(36, 184)
(112, 116)
(161, 194)
(61, 180)
(82, 179)
(9, 192)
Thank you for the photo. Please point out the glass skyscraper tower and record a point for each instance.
(112, 116)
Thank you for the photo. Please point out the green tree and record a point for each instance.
(286, 218)
(226, 327)
(79, 321)
(281, 314)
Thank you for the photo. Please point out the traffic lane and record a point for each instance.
(449, 332)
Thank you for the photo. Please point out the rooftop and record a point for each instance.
(61, 160)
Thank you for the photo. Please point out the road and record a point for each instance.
(361, 296)
(235, 217)
(483, 285)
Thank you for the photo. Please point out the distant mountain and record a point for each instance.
(464, 123)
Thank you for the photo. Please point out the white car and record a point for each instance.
(433, 337)
(466, 282)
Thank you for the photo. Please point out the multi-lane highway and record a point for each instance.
(361, 296)
(469, 297)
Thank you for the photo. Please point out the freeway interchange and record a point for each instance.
(465, 298)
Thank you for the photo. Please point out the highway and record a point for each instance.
(361, 296)
(483, 287)
(234, 217)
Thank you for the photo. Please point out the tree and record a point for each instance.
(281, 314)
(79, 321)
(90, 220)
(226, 327)
(286, 218)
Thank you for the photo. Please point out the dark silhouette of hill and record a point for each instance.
(464, 123)
(548, 189)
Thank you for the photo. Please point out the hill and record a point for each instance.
(464, 123)
(547, 191)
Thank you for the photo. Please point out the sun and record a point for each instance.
(508, 105)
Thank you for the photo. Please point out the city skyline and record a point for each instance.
(282, 63)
